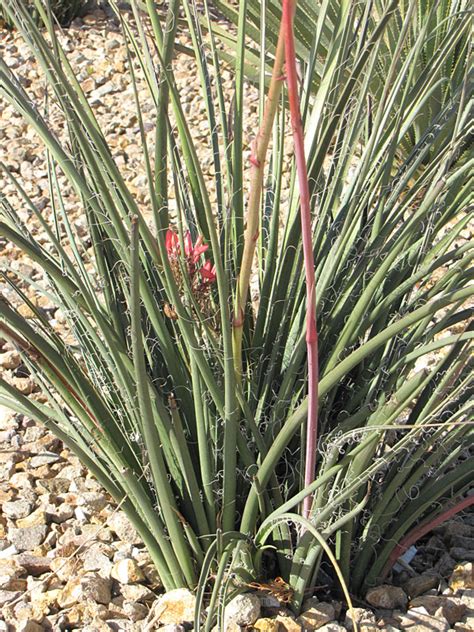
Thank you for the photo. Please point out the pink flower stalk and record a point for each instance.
(289, 7)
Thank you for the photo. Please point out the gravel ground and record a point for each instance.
(69, 559)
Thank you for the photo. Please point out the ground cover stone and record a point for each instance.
(243, 610)
(387, 596)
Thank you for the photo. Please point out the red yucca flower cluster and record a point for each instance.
(200, 275)
(192, 256)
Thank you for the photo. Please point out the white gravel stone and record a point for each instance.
(17, 509)
(137, 593)
(10, 360)
(90, 586)
(28, 538)
(92, 502)
(121, 525)
(7, 418)
(316, 615)
(361, 615)
(135, 611)
(242, 610)
(44, 459)
(176, 606)
(127, 572)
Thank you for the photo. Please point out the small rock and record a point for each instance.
(112, 44)
(10, 574)
(175, 606)
(461, 554)
(467, 598)
(269, 602)
(333, 626)
(47, 458)
(37, 518)
(316, 616)
(61, 513)
(96, 625)
(47, 600)
(90, 586)
(6, 551)
(99, 563)
(8, 595)
(10, 360)
(41, 604)
(454, 528)
(418, 620)
(287, 624)
(121, 625)
(137, 593)
(29, 626)
(362, 617)
(97, 558)
(97, 94)
(445, 565)
(465, 626)
(10, 456)
(463, 541)
(451, 608)
(92, 502)
(123, 551)
(266, 625)
(80, 514)
(121, 525)
(462, 577)
(53, 485)
(24, 385)
(387, 597)
(7, 418)
(17, 509)
(21, 480)
(242, 610)
(151, 575)
(72, 472)
(420, 584)
(127, 572)
(29, 538)
(87, 611)
(64, 567)
(88, 85)
(135, 611)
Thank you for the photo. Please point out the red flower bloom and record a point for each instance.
(208, 272)
(192, 254)
(172, 243)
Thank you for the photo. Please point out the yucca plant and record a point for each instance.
(188, 398)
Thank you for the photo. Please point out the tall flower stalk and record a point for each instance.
(257, 162)
(289, 8)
